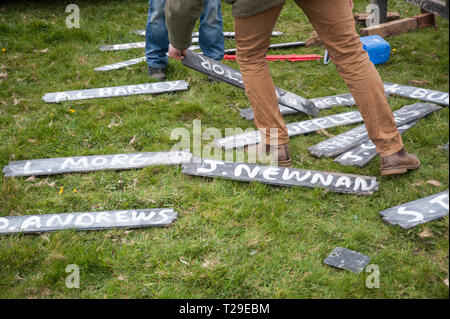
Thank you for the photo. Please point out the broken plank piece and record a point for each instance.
(321, 103)
(364, 153)
(347, 259)
(417, 212)
(354, 137)
(136, 218)
(281, 176)
(231, 76)
(120, 65)
(294, 129)
(413, 92)
(115, 91)
(79, 164)
(387, 29)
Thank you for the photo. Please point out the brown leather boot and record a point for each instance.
(282, 156)
(398, 163)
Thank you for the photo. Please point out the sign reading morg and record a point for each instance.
(146, 88)
(335, 182)
(231, 76)
(62, 165)
(88, 221)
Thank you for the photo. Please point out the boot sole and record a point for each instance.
(285, 163)
(399, 170)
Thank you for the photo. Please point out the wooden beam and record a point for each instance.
(425, 20)
(360, 18)
(391, 28)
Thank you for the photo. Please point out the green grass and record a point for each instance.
(239, 240)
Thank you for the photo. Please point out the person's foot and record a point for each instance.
(157, 73)
(398, 163)
(280, 156)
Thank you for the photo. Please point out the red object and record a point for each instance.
(290, 57)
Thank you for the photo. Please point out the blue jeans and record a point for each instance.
(157, 39)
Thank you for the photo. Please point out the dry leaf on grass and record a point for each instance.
(321, 131)
(434, 183)
(426, 233)
(184, 261)
(418, 82)
(41, 51)
(417, 184)
(446, 282)
(4, 75)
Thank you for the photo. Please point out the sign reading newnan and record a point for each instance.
(62, 165)
(364, 153)
(231, 76)
(420, 211)
(417, 93)
(352, 138)
(146, 88)
(294, 129)
(335, 182)
(136, 218)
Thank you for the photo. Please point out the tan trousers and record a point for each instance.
(333, 20)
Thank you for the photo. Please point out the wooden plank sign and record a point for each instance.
(321, 103)
(123, 46)
(78, 164)
(417, 93)
(274, 46)
(364, 153)
(136, 218)
(294, 129)
(354, 137)
(231, 76)
(120, 65)
(347, 259)
(146, 88)
(226, 34)
(283, 176)
(417, 212)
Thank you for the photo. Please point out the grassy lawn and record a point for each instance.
(231, 239)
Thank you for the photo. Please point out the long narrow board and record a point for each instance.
(226, 34)
(281, 176)
(354, 137)
(120, 65)
(320, 102)
(231, 76)
(364, 153)
(136, 218)
(115, 91)
(417, 212)
(127, 46)
(78, 164)
(275, 46)
(412, 92)
(294, 129)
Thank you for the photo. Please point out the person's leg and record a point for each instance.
(156, 37)
(334, 22)
(211, 30)
(252, 42)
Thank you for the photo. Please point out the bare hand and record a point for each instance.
(351, 3)
(175, 53)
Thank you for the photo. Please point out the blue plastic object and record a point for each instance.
(377, 47)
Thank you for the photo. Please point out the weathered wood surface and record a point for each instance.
(391, 28)
(354, 137)
(123, 46)
(120, 65)
(294, 129)
(78, 164)
(282, 176)
(275, 46)
(412, 92)
(364, 153)
(347, 259)
(231, 76)
(115, 91)
(435, 6)
(417, 212)
(136, 218)
(321, 103)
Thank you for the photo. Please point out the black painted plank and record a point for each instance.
(231, 76)
(136, 218)
(347, 259)
(413, 92)
(283, 176)
(417, 212)
(354, 137)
